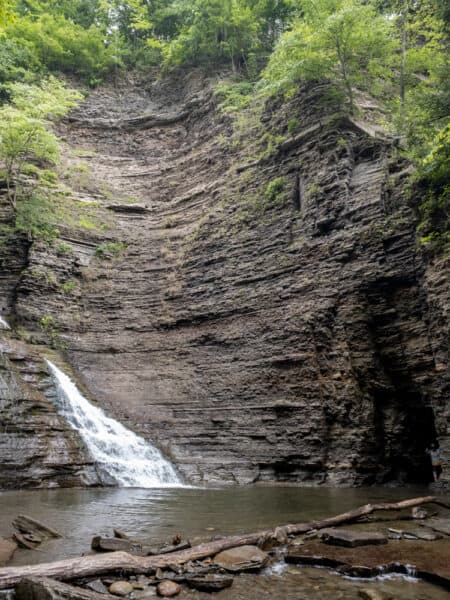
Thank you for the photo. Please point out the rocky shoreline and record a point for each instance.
(410, 537)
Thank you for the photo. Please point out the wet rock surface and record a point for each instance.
(243, 558)
(351, 539)
(299, 340)
(37, 447)
(209, 583)
(373, 560)
(7, 549)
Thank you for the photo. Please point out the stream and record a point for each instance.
(155, 514)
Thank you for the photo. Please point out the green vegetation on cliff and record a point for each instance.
(395, 51)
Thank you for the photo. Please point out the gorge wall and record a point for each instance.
(271, 318)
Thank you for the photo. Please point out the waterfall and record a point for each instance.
(119, 453)
(4, 324)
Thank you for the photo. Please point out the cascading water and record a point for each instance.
(4, 324)
(119, 453)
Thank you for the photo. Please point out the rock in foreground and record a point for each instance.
(7, 549)
(352, 539)
(244, 558)
(209, 583)
(167, 589)
(120, 588)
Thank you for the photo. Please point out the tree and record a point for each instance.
(430, 193)
(334, 41)
(27, 143)
(216, 31)
(6, 12)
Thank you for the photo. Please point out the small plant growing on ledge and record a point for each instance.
(275, 189)
(68, 287)
(50, 327)
(110, 249)
(293, 126)
(63, 249)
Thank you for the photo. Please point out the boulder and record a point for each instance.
(242, 558)
(7, 549)
(168, 588)
(351, 539)
(105, 544)
(120, 588)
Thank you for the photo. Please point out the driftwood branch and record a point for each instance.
(74, 568)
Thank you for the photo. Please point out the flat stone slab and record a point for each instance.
(442, 525)
(424, 556)
(414, 534)
(104, 544)
(242, 558)
(350, 538)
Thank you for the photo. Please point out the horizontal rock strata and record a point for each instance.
(253, 337)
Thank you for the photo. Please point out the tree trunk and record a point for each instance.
(86, 566)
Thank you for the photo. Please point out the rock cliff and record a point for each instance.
(260, 317)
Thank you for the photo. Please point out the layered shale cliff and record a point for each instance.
(260, 317)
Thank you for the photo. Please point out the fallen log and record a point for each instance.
(85, 566)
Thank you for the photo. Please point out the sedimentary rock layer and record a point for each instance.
(255, 330)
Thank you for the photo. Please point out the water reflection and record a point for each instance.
(155, 514)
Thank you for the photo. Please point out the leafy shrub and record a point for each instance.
(61, 45)
(293, 125)
(110, 249)
(234, 96)
(430, 193)
(274, 189)
(50, 326)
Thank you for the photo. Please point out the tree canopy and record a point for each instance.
(394, 50)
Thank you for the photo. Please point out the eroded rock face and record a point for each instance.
(295, 336)
(37, 447)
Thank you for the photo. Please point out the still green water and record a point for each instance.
(154, 515)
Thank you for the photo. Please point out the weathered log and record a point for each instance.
(73, 568)
(42, 588)
(174, 548)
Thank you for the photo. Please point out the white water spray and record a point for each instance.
(119, 453)
(4, 324)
